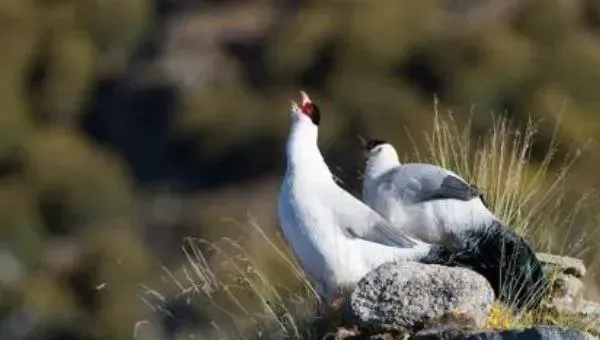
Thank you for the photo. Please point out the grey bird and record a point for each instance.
(437, 206)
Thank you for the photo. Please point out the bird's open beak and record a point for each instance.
(363, 144)
(305, 99)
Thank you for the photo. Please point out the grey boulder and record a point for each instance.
(408, 296)
(535, 333)
(564, 264)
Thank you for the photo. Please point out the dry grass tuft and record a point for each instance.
(244, 295)
(526, 196)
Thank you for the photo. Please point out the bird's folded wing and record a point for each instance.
(419, 183)
(453, 187)
(384, 233)
(358, 220)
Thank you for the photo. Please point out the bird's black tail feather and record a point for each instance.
(504, 258)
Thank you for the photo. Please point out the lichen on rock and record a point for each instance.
(410, 296)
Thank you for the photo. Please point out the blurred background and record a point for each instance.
(126, 126)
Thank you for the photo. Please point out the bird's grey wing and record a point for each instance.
(360, 221)
(415, 183)
(453, 187)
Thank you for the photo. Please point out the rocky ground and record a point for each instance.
(417, 301)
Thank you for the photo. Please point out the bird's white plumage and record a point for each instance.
(412, 197)
(336, 238)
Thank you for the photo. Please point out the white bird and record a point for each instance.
(336, 238)
(436, 205)
(431, 203)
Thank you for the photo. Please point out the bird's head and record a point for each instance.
(305, 110)
(379, 155)
(377, 148)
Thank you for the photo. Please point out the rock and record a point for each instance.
(589, 308)
(567, 294)
(586, 312)
(354, 334)
(343, 334)
(386, 336)
(446, 331)
(567, 298)
(567, 285)
(537, 333)
(409, 296)
(590, 312)
(567, 288)
(565, 264)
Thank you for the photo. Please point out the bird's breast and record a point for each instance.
(304, 223)
(310, 226)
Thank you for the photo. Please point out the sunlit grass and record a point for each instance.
(251, 295)
(503, 316)
(526, 196)
(243, 293)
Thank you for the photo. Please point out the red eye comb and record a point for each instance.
(306, 104)
(307, 108)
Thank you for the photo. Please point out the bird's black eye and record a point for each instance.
(374, 143)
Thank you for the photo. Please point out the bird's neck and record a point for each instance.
(380, 165)
(303, 154)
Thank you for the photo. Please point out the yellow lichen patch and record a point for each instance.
(499, 317)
